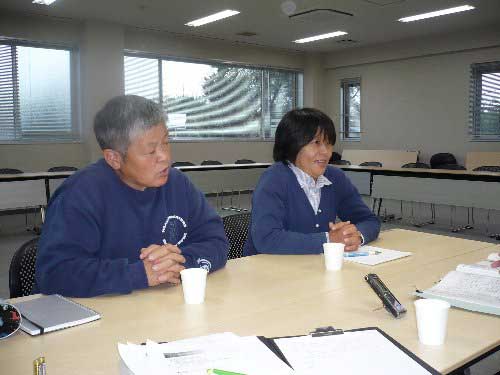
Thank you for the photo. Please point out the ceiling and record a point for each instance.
(373, 21)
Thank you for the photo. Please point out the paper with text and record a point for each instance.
(358, 352)
(194, 356)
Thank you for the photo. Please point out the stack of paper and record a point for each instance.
(474, 287)
(225, 351)
(376, 255)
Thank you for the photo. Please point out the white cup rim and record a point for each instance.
(432, 302)
(193, 270)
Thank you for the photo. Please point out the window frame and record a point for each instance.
(52, 137)
(344, 110)
(475, 99)
(298, 97)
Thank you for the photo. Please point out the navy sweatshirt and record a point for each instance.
(283, 221)
(96, 226)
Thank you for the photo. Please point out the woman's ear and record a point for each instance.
(113, 158)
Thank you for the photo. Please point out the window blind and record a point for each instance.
(9, 102)
(142, 77)
(351, 108)
(215, 100)
(35, 93)
(484, 106)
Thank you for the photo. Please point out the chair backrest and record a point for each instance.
(341, 162)
(455, 167)
(416, 165)
(487, 168)
(10, 171)
(210, 162)
(62, 168)
(22, 269)
(371, 164)
(442, 158)
(182, 164)
(244, 161)
(335, 157)
(236, 228)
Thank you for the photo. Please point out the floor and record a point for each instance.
(10, 242)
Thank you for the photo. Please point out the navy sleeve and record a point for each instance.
(268, 231)
(206, 244)
(352, 208)
(67, 259)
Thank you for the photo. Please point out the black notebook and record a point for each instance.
(48, 313)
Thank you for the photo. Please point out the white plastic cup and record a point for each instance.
(432, 319)
(334, 255)
(194, 282)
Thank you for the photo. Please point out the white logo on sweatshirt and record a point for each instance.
(174, 230)
(204, 263)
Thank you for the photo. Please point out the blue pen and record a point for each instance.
(360, 253)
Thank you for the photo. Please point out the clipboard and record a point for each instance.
(331, 331)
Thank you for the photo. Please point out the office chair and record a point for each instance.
(244, 161)
(236, 227)
(10, 171)
(416, 165)
(442, 158)
(182, 164)
(22, 269)
(371, 164)
(62, 168)
(488, 168)
(341, 162)
(452, 167)
(210, 162)
(334, 158)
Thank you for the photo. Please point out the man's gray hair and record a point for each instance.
(122, 118)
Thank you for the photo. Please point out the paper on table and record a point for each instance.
(468, 291)
(385, 255)
(358, 352)
(226, 351)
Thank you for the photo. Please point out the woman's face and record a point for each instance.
(313, 157)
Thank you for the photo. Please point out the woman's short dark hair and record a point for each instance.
(297, 128)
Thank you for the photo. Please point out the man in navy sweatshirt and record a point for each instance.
(128, 221)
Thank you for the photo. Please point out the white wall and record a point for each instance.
(100, 76)
(414, 95)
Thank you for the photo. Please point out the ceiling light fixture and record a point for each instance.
(319, 37)
(212, 18)
(43, 2)
(437, 13)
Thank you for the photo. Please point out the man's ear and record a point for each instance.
(113, 158)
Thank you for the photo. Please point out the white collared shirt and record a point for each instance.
(313, 190)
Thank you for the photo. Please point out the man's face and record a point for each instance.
(147, 161)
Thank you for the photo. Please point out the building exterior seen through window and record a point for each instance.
(350, 110)
(485, 101)
(36, 94)
(214, 101)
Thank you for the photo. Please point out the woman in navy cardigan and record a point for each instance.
(298, 199)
